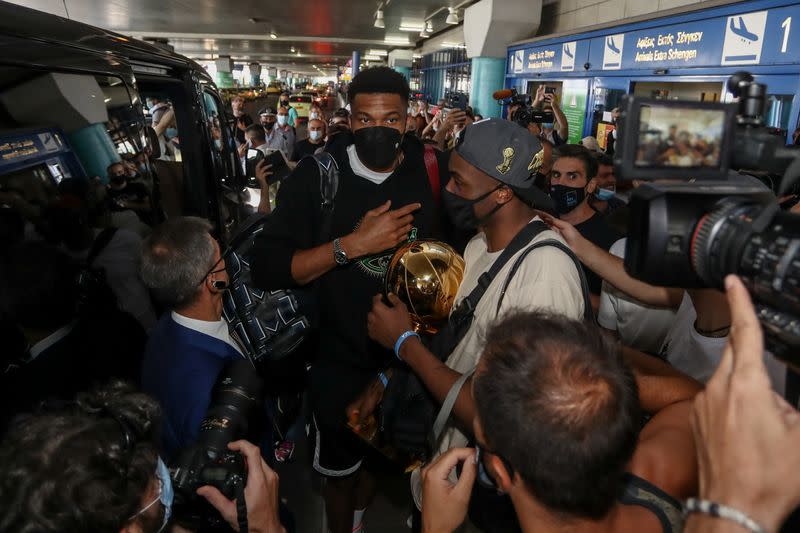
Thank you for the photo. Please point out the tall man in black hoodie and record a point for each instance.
(385, 196)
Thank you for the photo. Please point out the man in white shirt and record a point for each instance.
(183, 266)
(490, 190)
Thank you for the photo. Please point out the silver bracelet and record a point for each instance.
(717, 510)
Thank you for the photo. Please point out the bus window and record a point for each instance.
(225, 161)
(73, 142)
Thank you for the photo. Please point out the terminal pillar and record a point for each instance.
(488, 76)
(489, 27)
(356, 62)
(400, 61)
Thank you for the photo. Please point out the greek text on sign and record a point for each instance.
(543, 59)
(744, 38)
(649, 48)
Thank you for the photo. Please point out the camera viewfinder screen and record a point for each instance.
(680, 137)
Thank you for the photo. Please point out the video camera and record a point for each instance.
(705, 217)
(526, 114)
(235, 400)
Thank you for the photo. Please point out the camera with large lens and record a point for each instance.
(703, 215)
(235, 402)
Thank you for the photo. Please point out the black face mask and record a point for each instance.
(462, 211)
(566, 198)
(118, 180)
(268, 125)
(284, 103)
(377, 146)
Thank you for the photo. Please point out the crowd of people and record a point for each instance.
(572, 396)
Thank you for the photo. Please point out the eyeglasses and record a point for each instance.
(214, 269)
(483, 475)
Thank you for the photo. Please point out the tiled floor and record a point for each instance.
(302, 491)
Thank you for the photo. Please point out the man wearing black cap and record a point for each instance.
(277, 137)
(490, 189)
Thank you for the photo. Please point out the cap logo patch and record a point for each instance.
(508, 157)
(536, 162)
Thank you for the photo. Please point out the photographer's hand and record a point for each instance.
(261, 494)
(444, 503)
(539, 97)
(746, 435)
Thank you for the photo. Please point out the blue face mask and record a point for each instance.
(604, 195)
(166, 494)
(167, 491)
(171, 132)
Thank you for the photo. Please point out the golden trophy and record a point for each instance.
(425, 275)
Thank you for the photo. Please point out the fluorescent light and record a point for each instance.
(452, 18)
(107, 100)
(411, 28)
(379, 19)
(293, 49)
(370, 57)
(417, 56)
(397, 40)
(272, 35)
(429, 27)
(453, 45)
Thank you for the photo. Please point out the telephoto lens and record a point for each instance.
(232, 415)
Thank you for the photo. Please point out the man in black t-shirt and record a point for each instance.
(572, 185)
(384, 198)
(315, 141)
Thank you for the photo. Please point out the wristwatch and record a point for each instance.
(339, 254)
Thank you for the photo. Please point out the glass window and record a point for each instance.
(86, 132)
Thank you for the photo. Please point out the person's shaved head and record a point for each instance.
(556, 399)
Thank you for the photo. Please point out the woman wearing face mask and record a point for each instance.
(315, 140)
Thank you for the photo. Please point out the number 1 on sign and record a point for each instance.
(787, 27)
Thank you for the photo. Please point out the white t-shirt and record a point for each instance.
(698, 356)
(639, 326)
(361, 170)
(546, 280)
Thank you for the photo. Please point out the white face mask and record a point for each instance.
(282, 120)
(315, 135)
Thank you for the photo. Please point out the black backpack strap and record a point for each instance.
(328, 186)
(100, 242)
(467, 306)
(588, 314)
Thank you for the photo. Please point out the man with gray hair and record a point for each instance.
(191, 344)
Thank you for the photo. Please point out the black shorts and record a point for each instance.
(338, 452)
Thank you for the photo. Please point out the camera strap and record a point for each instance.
(241, 507)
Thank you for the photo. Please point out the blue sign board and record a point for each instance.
(561, 57)
(760, 37)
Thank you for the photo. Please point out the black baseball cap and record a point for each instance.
(508, 153)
